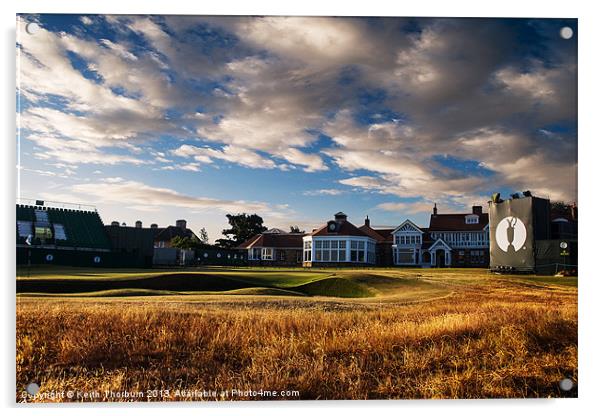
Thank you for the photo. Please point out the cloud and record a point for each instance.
(401, 106)
(406, 207)
(191, 167)
(322, 192)
(312, 162)
(366, 182)
(229, 153)
(133, 193)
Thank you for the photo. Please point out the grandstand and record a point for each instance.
(61, 227)
(61, 234)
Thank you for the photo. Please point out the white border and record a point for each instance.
(589, 33)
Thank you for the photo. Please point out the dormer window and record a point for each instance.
(472, 219)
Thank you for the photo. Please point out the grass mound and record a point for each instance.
(166, 282)
(263, 291)
(336, 287)
(105, 293)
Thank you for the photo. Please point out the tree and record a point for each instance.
(563, 209)
(295, 229)
(204, 236)
(243, 227)
(186, 243)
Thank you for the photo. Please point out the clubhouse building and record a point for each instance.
(451, 240)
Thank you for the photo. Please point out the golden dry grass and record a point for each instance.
(490, 338)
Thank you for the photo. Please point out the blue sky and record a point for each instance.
(165, 117)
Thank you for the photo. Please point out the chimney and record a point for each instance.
(115, 224)
(367, 221)
(181, 224)
(340, 217)
(477, 209)
(154, 226)
(435, 209)
(138, 224)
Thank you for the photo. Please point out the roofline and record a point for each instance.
(436, 241)
(337, 236)
(282, 248)
(403, 223)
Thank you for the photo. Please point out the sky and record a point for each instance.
(157, 118)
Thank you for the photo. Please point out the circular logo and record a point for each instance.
(219, 255)
(332, 226)
(97, 259)
(563, 244)
(49, 257)
(510, 234)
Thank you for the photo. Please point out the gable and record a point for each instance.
(407, 227)
(439, 244)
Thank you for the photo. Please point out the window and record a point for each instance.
(342, 251)
(472, 219)
(405, 256)
(307, 251)
(371, 252)
(266, 253)
(330, 250)
(255, 254)
(357, 251)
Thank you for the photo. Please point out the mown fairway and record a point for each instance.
(328, 334)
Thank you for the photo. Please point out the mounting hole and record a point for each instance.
(566, 384)
(32, 28)
(32, 388)
(566, 32)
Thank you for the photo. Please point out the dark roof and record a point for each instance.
(456, 222)
(344, 228)
(380, 235)
(386, 233)
(169, 232)
(288, 240)
(370, 232)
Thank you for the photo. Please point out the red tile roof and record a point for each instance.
(345, 228)
(456, 222)
(274, 240)
(380, 235)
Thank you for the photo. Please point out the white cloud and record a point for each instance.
(229, 153)
(133, 193)
(406, 207)
(312, 162)
(190, 167)
(321, 192)
(277, 87)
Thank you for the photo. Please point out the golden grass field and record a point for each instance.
(409, 334)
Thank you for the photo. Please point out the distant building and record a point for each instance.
(459, 240)
(338, 243)
(135, 242)
(163, 236)
(274, 247)
(531, 235)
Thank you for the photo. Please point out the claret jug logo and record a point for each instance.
(511, 234)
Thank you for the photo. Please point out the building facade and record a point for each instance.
(338, 243)
(274, 247)
(450, 240)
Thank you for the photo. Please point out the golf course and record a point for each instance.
(322, 333)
